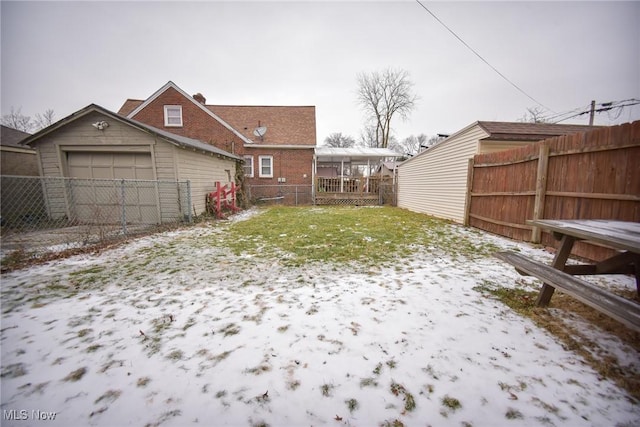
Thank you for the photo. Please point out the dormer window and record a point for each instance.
(173, 115)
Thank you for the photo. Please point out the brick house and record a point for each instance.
(276, 142)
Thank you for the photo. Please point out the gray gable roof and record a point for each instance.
(12, 137)
(181, 141)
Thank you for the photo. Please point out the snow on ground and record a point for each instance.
(171, 331)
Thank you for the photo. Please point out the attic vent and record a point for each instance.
(200, 98)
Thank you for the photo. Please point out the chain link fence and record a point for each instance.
(68, 212)
(285, 194)
(301, 195)
(388, 193)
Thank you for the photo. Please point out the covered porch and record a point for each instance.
(352, 176)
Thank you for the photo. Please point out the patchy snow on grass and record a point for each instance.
(169, 330)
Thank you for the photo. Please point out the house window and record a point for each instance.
(248, 166)
(173, 115)
(266, 166)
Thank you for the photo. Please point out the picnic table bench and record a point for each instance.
(624, 236)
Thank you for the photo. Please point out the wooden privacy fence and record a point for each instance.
(588, 175)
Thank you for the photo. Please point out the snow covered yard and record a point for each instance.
(175, 330)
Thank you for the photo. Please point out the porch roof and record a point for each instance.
(354, 154)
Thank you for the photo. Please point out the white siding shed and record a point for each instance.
(434, 182)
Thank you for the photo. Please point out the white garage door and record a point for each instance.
(99, 201)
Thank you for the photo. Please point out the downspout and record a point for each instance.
(314, 166)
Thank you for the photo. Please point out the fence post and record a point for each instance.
(124, 208)
(189, 216)
(158, 205)
(541, 189)
(467, 201)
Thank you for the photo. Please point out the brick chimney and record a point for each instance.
(200, 98)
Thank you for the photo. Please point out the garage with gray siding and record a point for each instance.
(99, 148)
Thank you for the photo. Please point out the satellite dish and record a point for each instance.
(260, 131)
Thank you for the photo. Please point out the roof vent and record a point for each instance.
(200, 98)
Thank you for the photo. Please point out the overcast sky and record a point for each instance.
(67, 55)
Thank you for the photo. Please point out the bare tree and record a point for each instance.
(382, 95)
(368, 137)
(533, 115)
(16, 120)
(44, 120)
(412, 145)
(338, 140)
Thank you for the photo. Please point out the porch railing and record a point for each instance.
(363, 185)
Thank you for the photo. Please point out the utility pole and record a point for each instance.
(593, 111)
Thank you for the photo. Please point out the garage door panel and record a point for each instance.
(101, 172)
(124, 173)
(147, 196)
(102, 159)
(132, 196)
(144, 173)
(79, 159)
(125, 159)
(142, 160)
(79, 172)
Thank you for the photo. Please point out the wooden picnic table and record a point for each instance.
(622, 236)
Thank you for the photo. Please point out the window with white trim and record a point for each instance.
(248, 166)
(266, 166)
(173, 115)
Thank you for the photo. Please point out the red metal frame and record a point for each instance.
(222, 199)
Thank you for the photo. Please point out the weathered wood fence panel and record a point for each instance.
(592, 175)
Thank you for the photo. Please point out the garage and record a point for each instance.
(98, 198)
(108, 169)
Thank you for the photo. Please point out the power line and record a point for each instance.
(605, 106)
(557, 116)
(482, 59)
